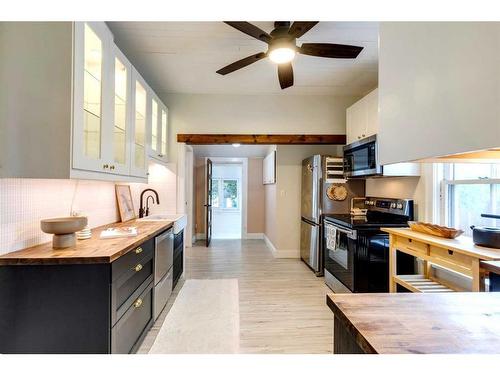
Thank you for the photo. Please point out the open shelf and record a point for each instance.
(421, 284)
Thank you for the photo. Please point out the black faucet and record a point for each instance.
(145, 212)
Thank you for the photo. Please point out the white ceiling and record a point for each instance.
(228, 151)
(183, 57)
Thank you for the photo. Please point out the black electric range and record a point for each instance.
(357, 251)
(371, 220)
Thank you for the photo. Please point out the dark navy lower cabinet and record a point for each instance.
(77, 308)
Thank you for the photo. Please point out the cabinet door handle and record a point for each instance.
(138, 268)
(362, 135)
(112, 167)
(138, 303)
(105, 166)
(138, 250)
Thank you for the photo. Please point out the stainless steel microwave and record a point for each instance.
(361, 158)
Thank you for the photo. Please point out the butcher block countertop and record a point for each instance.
(92, 250)
(461, 244)
(404, 323)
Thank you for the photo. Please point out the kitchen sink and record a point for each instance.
(179, 220)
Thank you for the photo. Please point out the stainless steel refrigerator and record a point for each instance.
(324, 191)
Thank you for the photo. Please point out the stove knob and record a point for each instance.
(400, 206)
(393, 205)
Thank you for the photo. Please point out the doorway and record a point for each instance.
(227, 200)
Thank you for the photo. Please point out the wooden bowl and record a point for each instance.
(63, 225)
(434, 230)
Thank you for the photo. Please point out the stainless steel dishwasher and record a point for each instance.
(164, 256)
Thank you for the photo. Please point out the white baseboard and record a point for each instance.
(200, 236)
(254, 236)
(287, 253)
(269, 244)
(282, 253)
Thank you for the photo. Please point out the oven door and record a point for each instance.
(361, 158)
(339, 254)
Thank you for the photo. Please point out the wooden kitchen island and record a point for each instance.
(459, 255)
(411, 323)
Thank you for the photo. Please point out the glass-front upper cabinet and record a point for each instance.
(164, 133)
(159, 129)
(91, 87)
(139, 119)
(119, 139)
(154, 127)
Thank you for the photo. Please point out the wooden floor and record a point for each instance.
(282, 303)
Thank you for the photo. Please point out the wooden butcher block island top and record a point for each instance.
(92, 250)
(405, 323)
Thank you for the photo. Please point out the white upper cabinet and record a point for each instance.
(121, 135)
(362, 118)
(140, 119)
(92, 85)
(439, 90)
(157, 145)
(164, 133)
(83, 110)
(362, 121)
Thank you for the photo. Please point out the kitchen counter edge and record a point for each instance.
(17, 258)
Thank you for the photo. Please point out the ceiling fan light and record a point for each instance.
(282, 55)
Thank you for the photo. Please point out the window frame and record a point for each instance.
(447, 182)
(220, 193)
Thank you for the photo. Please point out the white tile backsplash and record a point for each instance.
(24, 202)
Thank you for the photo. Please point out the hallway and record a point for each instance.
(282, 304)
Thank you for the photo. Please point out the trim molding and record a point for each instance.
(200, 236)
(254, 236)
(281, 253)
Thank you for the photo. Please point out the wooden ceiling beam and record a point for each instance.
(262, 139)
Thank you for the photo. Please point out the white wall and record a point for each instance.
(24, 202)
(261, 114)
(287, 193)
(439, 89)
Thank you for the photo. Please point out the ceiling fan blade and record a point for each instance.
(339, 51)
(252, 30)
(299, 28)
(285, 75)
(241, 63)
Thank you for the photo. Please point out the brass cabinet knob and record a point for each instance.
(138, 303)
(138, 250)
(138, 267)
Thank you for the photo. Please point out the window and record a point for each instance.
(469, 190)
(225, 193)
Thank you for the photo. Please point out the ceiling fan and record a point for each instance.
(282, 47)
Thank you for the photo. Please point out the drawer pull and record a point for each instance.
(450, 252)
(138, 250)
(138, 303)
(138, 268)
